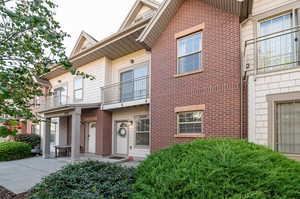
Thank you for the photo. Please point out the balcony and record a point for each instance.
(124, 94)
(53, 102)
(273, 52)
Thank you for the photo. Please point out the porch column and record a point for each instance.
(46, 128)
(76, 118)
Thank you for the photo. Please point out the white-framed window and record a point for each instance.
(189, 53)
(190, 122)
(60, 95)
(78, 88)
(142, 129)
(276, 51)
(135, 83)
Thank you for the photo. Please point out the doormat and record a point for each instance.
(116, 157)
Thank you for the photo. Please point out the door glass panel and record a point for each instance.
(141, 82)
(60, 96)
(277, 51)
(288, 131)
(134, 84)
(127, 86)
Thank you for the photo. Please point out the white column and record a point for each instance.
(46, 128)
(76, 118)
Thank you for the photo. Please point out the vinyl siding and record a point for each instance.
(91, 88)
(122, 64)
(261, 6)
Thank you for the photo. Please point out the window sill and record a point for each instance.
(189, 73)
(190, 135)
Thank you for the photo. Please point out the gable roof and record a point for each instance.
(169, 8)
(82, 37)
(135, 10)
(116, 45)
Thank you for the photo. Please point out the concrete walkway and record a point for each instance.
(21, 175)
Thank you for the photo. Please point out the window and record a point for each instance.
(134, 83)
(78, 88)
(35, 129)
(60, 96)
(189, 53)
(277, 51)
(190, 122)
(142, 131)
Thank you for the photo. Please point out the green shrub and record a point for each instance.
(88, 180)
(218, 169)
(32, 139)
(14, 151)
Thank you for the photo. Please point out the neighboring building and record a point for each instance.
(270, 45)
(171, 74)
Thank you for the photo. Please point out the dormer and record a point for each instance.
(141, 10)
(84, 42)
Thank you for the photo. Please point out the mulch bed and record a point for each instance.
(6, 194)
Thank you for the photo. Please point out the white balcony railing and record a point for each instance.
(51, 102)
(273, 52)
(136, 89)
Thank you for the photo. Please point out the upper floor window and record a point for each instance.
(60, 96)
(189, 53)
(276, 50)
(134, 83)
(78, 88)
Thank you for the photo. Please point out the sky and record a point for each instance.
(99, 18)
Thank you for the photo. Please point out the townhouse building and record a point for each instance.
(270, 49)
(171, 74)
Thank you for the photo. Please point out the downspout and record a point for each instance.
(243, 76)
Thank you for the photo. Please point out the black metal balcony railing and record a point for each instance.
(126, 91)
(273, 52)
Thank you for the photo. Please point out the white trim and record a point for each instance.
(135, 9)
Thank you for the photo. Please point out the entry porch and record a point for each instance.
(74, 131)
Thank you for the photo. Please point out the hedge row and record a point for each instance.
(14, 151)
(32, 139)
(87, 180)
(205, 169)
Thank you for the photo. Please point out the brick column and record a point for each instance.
(104, 133)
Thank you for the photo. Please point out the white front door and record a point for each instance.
(92, 137)
(121, 135)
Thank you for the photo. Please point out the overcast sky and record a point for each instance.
(99, 18)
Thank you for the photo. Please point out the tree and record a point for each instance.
(30, 41)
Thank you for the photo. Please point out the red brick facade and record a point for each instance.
(218, 86)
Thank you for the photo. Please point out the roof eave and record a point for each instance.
(238, 7)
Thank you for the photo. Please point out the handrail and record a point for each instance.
(275, 33)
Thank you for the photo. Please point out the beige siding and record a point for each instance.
(261, 6)
(122, 64)
(259, 86)
(91, 88)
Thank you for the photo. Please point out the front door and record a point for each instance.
(121, 135)
(92, 137)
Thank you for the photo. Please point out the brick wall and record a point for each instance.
(104, 133)
(218, 86)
